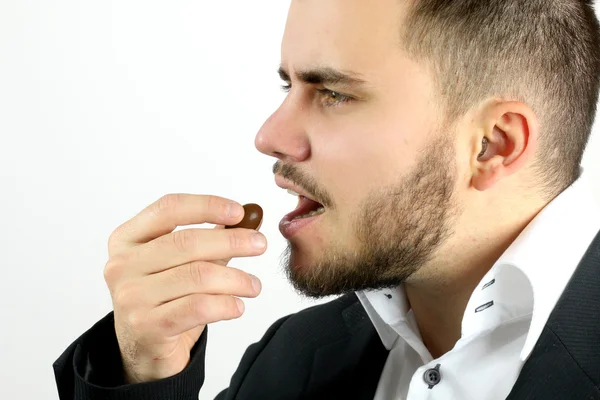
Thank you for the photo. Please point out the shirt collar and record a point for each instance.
(526, 280)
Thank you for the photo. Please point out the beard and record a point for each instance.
(398, 229)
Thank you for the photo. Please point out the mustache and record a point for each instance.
(298, 178)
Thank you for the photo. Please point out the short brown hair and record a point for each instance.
(545, 53)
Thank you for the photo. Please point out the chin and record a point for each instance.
(295, 259)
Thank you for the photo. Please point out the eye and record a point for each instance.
(331, 98)
(286, 88)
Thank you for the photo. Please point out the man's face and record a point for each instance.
(373, 153)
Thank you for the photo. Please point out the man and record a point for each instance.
(439, 143)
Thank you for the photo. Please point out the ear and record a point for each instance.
(510, 129)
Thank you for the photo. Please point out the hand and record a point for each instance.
(164, 286)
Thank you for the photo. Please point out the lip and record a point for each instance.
(287, 227)
(285, 184)
(290, 229)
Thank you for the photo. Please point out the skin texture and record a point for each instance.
(409, 197)
(167, 285)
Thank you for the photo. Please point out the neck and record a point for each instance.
(439, 292)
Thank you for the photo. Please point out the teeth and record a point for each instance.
(290, 191)
(318, 211)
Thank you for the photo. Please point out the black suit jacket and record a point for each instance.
(332, 351)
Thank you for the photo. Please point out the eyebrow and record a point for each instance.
(324, 76)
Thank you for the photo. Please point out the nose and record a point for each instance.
(283, 135)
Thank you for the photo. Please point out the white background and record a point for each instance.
(105, 107)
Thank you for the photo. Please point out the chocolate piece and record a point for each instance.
(253, 215)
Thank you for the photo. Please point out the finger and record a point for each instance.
(197, 277)
(192, 244)
(181, 315)
(171, 211)
(225, 261)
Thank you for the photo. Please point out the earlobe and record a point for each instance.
(487, 173)
(484, 179)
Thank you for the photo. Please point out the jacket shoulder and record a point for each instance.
(282, 362)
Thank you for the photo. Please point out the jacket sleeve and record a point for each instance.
(91, 369)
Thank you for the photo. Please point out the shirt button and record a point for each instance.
(432, 376)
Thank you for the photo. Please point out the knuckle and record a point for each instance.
(239, 279)
(217, 206)
(130, 296)
(196, 305)
(213, 204)
(135, 320)
(114, 239)
(112, 271)
(167, 203)
(126, 293)
(198, 273)
(184, 240)
(237, 240)
(246, 282)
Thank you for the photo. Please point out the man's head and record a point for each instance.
(422, 126)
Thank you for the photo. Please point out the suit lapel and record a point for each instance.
(350, 367)
(565, 363)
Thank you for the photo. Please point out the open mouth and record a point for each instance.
(307, 211)
(306, 208)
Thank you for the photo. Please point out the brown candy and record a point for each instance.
(253, 215)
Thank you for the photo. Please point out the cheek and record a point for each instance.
(367, 157)
(364, 151)
(348, 169)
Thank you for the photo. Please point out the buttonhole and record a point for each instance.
(490, 283)
(484, 306)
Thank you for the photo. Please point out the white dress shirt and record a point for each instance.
(504, 317)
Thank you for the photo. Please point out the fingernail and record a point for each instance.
(234, 210)
(240, 305)
(255, 283)
(258, 240)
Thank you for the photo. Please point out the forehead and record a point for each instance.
(356, 35)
